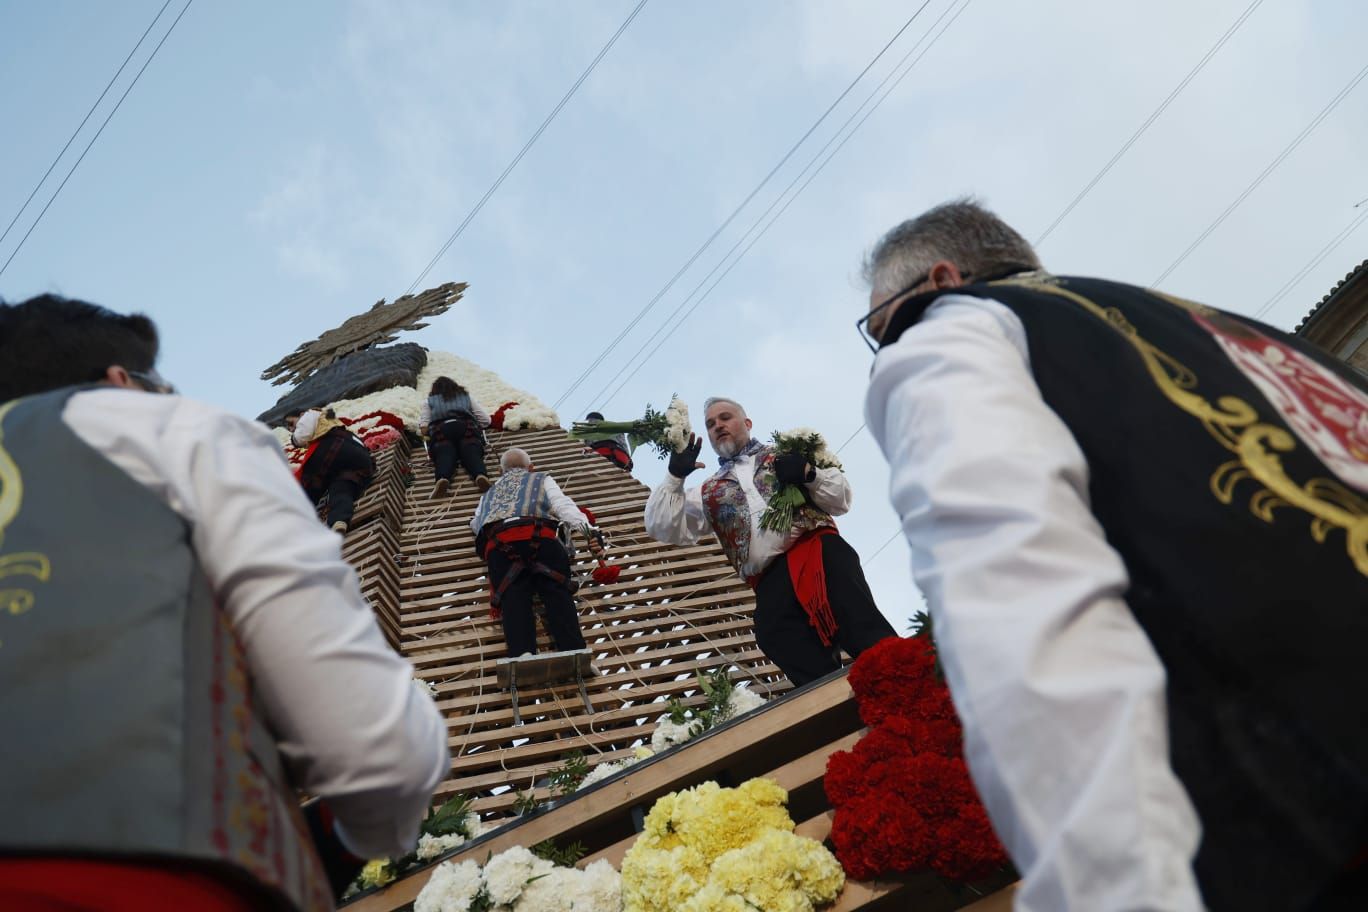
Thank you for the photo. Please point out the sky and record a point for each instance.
(282, 166)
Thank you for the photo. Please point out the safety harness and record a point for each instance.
(503, 535)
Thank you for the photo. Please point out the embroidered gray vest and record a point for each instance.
(729, 511)
(518, 494)
(125, 697)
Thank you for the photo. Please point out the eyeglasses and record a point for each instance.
(153, 382)
(872, 330)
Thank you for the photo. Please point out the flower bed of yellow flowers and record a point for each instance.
(714, 849)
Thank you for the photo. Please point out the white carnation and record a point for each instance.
(429, 847)
(553, 891)
(451, 888)
(600, 888)
(743, 700)
(507, 873)
(669, 734)
(677, 427)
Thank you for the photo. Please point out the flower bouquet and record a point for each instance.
(451, 825)
(902, 797)
(668, 431)
(710, 848)
(778, 515)
(520, 880)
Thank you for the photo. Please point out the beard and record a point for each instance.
(729, 447)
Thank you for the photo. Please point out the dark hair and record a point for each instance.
(594, 416)
(49, 342)
(446, 388)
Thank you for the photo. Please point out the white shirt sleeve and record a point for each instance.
(350, 723)
(424, 415)
(562, 507)
(1061, 693)
(831, 491)
(481, 416)
(676, 516)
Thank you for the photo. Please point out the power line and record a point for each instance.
(107, 119)
(1125, 147)
(891, 73)
(1306, 131)
(735, 212)
(871, 557)
(470, 216)
(77, 131)
(1314, 262)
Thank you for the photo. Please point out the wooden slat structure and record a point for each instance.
(673, 614)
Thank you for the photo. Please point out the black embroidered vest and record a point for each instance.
(1227, 467)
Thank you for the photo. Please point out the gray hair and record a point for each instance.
(515, 458)
(961, 231)
(713, 400)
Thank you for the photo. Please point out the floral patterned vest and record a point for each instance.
(729, 512)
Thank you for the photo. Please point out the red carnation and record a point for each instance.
(902, 796)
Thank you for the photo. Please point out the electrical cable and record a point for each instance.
(1313, 263)
(735, 212)
(470, 216)
(96, 137)
(1125, 147)
(1277, 160)
(756, 224)
(963, 5)
(77, 131)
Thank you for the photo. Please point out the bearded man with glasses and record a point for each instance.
(1141, 526)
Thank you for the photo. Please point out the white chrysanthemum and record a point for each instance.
(600, 888)
(429, 847)
(451, 888)
(603, 771)
(473, 825)
(427, 687)
(507, 873)
(669, 734)
(677, 427)
(282, 436)
(743, 700)
(554, 891)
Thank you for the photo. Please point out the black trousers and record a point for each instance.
(519, 622)
(786, 636)
(456, 440)
(340, 467)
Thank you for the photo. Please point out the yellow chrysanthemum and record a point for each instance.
(377, 873)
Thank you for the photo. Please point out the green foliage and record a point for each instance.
(920, 625)
(526, 803)
(568, 776)
(449, 818)
(717, 689)
(566, 857)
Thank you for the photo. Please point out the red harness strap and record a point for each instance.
(503, 540)
(613, 451)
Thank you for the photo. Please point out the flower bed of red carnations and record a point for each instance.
(902, 797)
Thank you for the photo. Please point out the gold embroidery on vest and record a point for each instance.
(15, 600)
(1235, 424)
